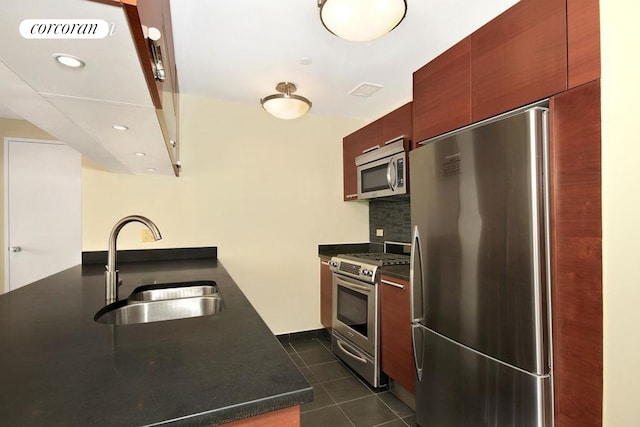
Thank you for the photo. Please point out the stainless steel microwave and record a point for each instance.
(382, 171)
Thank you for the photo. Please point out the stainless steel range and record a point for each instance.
(355, 336)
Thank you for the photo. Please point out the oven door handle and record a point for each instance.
(353, 286)
(351, 352)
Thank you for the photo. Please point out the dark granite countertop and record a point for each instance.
(60, 368)
(397, 271)
(327, 251)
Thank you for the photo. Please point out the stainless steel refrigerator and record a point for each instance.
(479, 275)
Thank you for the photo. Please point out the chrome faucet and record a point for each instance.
(111, 281)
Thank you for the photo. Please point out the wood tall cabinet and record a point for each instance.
(577, 256)
(397, 123)
(396, 354)
(326, 294)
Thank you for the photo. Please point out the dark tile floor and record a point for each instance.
(340, 397)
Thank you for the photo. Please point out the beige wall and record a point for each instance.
(621, 210)
(264, 190)
(16, 129)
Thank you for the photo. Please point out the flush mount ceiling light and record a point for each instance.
(361, 20)
(68, 60)
(284, 105)
(119, 127)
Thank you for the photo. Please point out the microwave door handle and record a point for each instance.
(392, 178)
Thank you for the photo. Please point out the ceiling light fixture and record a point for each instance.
(68, 60)
(140, 154)
(284, 105)
(119, 127)
(361, 20)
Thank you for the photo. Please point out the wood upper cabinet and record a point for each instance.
(397, 123)
(583, 41)
(519, 57)
(142, 15)
(442, 93)
(326, 294)
(396, 353)
(352, 146)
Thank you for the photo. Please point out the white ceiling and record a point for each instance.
(239, 50)
(232, 50)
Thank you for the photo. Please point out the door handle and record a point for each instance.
(395, 285)
(415, 279)
(358, 357)
(417, 339)
(353, 286)
(15, 248)
(393, 183)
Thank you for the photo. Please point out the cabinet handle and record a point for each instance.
(154, 36)
(351, 196)
(324, 262)
(375, 147)
(394, 284)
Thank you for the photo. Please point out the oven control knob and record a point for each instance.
(367, 272)
(333, 263)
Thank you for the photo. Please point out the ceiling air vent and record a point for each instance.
(365, 89)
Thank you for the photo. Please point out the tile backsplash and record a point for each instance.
(393, 215)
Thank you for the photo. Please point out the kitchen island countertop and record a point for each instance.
(60, 368)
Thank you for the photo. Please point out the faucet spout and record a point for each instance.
(111, 273)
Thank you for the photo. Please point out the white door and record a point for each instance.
(42, 210)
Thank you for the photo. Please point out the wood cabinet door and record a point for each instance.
(583, 41)
(352, 146)
(326, 294)
(397, 123)
(396, 355)
(576, 263)
(519, 57)
(442, 93)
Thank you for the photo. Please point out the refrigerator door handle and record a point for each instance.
(418, 348)
(415, 279)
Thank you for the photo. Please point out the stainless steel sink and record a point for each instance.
(173, 291)
(155, 303)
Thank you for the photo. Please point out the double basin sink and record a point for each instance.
(159, 302)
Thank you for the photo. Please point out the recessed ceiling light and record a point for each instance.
(140, 154)
(306, 61)
(151, 169)
(68, 60)
(119, 127)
